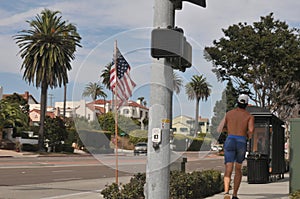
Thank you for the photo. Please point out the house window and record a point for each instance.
(125, 111)
(183, 130)
(201, 123)
(89, 116)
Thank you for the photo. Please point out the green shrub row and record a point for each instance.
(198, 184)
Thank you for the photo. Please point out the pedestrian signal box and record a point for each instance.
(172, 45)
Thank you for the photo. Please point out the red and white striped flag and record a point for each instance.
(120, 82)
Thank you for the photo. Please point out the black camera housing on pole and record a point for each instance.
(172, 45)
(178, 3)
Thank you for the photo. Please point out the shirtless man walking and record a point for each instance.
(239, 125)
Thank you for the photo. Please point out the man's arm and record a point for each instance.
(250, 127)
(221, 126)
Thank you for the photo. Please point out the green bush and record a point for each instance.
(295, 195)
(245, 170)
(195, 185)
(136, 136)
(198, 184)
(68, 148)
(30, 147)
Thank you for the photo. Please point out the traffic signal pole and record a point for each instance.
(161, 91)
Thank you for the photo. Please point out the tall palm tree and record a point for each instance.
(75, 34)
(105, 75)
(198, 89)
(94, 90)
(177, 83)
(47, 50)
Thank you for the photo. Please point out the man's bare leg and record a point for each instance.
(227, 176)
(237, 178)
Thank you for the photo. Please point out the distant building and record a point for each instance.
(90, 110)
(183, 125)
(29, 98)
(186, 125)
(75, 109)
(35, 116)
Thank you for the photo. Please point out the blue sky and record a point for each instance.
(129, 22)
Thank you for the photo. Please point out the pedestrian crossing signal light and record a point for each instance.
(178, 3)
(201, 3)
(172, 45)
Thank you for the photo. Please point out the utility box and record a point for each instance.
(266, 149)
(294, 155)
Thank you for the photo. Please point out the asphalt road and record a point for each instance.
(54, 177)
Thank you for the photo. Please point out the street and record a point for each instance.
(57, 177)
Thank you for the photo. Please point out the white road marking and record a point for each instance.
(65, 179)
(74, 194)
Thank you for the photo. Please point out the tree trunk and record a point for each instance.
(65, 101)
(196, 118)
(43, 105)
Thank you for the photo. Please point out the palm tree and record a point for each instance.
(94, 90)
(106, 75)
(75, 34)
(198, 89)
(177, 83)
(47, 50)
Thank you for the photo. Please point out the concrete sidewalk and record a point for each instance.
(273, 190)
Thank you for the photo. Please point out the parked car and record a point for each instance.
(217, 148)
(140, 148)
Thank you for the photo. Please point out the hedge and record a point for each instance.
(198, 184)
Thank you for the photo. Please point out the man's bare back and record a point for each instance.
(237, 122)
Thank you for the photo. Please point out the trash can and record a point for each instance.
(258, 168)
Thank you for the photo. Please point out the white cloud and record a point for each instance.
(101, 22)
(10, 60)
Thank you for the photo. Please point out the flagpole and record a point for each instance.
(116, 112)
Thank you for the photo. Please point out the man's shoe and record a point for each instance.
(234, 197)
(226, 196)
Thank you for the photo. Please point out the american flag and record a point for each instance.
(120, 82)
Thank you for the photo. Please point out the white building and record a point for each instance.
(186, 125)
(90, 110)
(76, 109)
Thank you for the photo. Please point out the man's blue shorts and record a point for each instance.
(235, 148)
